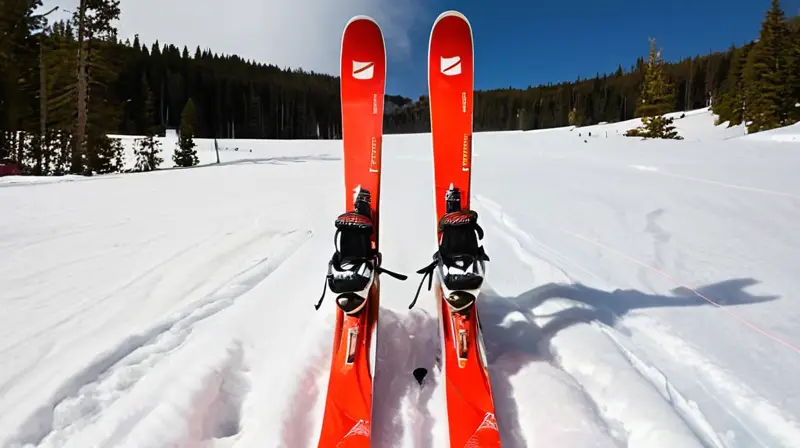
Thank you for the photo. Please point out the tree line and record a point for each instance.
(757, 82)
(762, 88)
(66, 86)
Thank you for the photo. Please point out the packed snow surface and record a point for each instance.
(639, 294)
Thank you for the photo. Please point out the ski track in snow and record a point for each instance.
(86, 403)
(297, 423)
(655, 170)
(603, 378)
(401, 407)
(752, 412)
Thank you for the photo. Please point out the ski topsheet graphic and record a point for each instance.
(459, 263)
(354, 269)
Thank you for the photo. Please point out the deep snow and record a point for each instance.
(640, 293)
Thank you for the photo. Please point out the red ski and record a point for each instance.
(459, 263)
(355, 266)
(450, 87)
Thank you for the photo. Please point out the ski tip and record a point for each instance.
(360, 17)
(451, 13)
(419, 374)
(365, 21)
(442, 16)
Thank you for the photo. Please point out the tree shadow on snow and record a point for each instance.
(279, 160)
(275, 160)
(517, 340)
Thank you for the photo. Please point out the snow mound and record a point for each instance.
(693, 125)
(786, 134)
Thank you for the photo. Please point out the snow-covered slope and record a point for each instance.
(640, 293)
(785, 134)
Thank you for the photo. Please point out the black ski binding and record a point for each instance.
(355, 263)
(460, 260)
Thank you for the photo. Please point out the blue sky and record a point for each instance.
(525, 42)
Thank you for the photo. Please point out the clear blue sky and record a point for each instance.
(530, 42)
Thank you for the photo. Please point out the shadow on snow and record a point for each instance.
(523, 341)
(411, 341)
(30, 181)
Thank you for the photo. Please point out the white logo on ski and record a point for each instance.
(363, 70)
(489, 423)
(450, 66)
(361, 428)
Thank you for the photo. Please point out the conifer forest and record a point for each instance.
(67, 87)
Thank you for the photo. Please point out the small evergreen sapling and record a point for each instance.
(185, 154)
(148, 149)
(148, 153)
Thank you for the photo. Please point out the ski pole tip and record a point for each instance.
(419, 374)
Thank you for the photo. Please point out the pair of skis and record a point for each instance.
(458, 264)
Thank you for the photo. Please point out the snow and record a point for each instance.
(639, 294)
(784, 134)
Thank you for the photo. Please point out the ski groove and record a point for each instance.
(684, 407)
(218, 405)
(297, 423)
(93, 302)
(766, 424)
(86, 394)
(525, 244)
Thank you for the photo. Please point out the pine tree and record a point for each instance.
(656, 99)
(93, 151)
(575, 117)
(185, 154)
(767, 75)
(18, 74)
(147, 154)
(794, 52)
(148, 149)
(730, 107)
